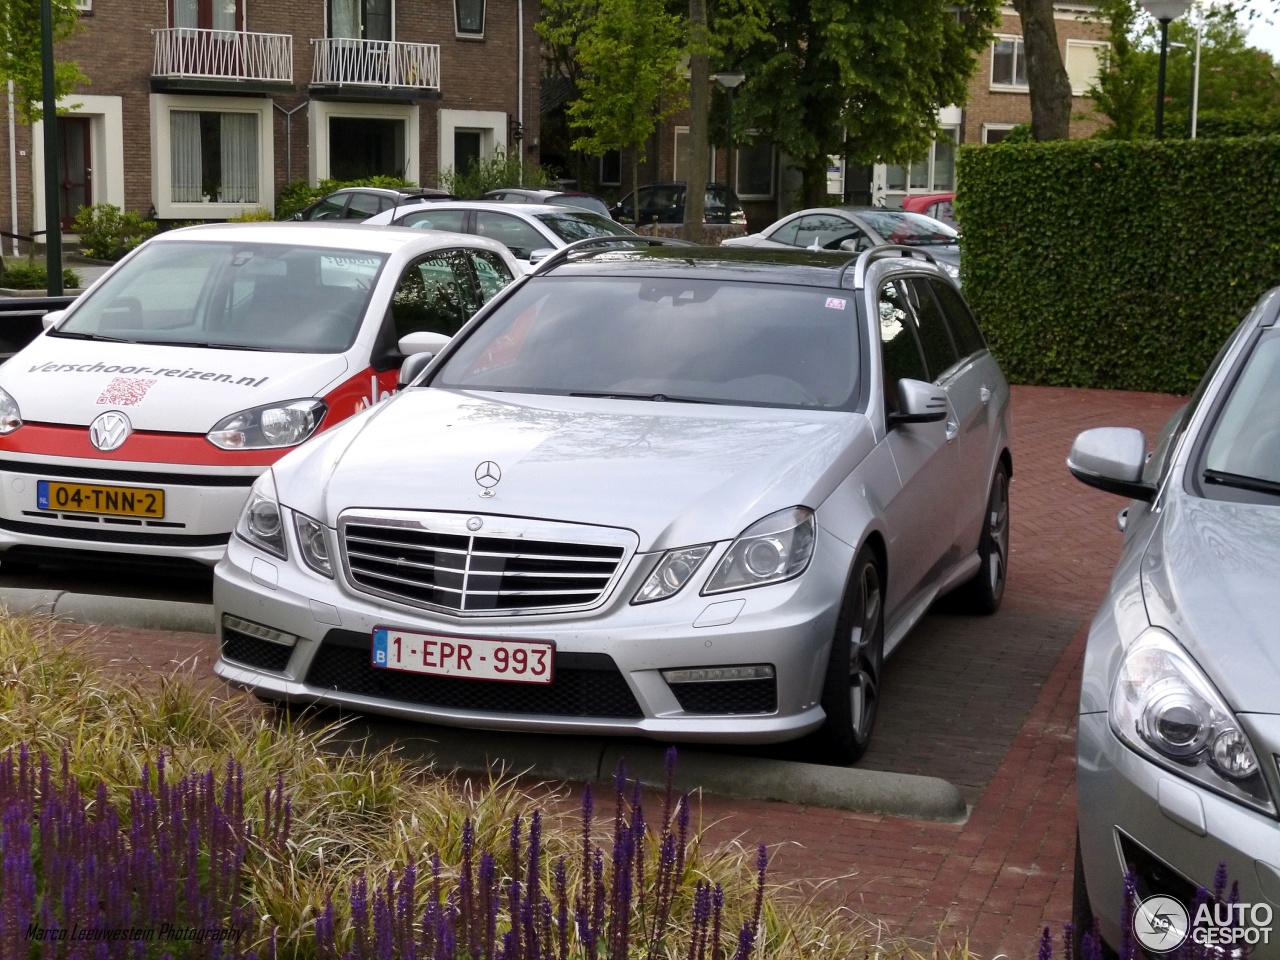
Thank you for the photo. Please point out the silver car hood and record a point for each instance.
(676, 474)
(1211, 577)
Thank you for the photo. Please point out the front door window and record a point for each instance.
(435, 294)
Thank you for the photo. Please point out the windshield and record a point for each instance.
(665, 339)
(580, 226)
(594, 204)
(909, 229)
(252, 296)
(1244, 445)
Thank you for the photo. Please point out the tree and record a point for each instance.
(1047, 81)
(858, 78)
(20, 53)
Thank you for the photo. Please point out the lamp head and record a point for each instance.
(1166, 10)
(729, 78)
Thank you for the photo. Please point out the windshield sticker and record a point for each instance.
(125, 391)
(835, 303)
(187, 373)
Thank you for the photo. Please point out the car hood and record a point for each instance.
(59, 380)
(676, 474)
(1209, 577)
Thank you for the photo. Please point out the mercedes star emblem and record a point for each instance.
(110, 430)
(487, 475)
(474, 524)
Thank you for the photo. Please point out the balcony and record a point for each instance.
(376, 69)
(189, 58)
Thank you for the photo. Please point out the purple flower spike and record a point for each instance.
(1046, 946)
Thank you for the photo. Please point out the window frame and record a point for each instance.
(1018, 44)
(461, 34)
(1103, 45)
(993, 127)
(737, 171)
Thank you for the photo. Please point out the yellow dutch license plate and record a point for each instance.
(104, 501)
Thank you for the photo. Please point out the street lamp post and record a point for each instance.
(52, 214)
(1164, 11)
(729, 79)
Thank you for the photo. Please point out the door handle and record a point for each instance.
(984, 394)
(953, 430)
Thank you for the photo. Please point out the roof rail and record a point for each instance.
(882, 252)
(564, 253)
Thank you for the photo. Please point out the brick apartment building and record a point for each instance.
(203, 109)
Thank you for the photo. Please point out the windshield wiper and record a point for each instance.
(658, 397)
(200, 343)
(1242, 482)
(87, 336)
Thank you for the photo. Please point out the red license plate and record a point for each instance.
(515, 661)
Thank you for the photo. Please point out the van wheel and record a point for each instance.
(984, 592)
(851, 691)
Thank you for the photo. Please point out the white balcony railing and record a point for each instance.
(223, 55)
(341, 61)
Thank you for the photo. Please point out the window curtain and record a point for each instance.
(186, 13)
(344, 18)
(239, 156)
(224, 14)
(184, 151)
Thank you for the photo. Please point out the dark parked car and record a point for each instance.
(361, 203)
(587, 201)
(664, 203)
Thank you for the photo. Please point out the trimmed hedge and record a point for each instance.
(1119, 264)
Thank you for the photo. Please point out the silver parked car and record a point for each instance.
(1180, 707)
(682, 493)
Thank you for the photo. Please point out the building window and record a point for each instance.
(84, 6)
(213, 157)
(1085, 62)
(611, 169)
(361, 19)
(936, 173)
(1009, 63)
(754, 171)
(207, 14)
(469, 17)
(995, 132)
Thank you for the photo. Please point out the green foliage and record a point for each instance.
(1019, 134)
(256, 215)
(1118, 264)
(492, 173)
(108, 233)
(299, 193)
(32, 275)
(20, 53)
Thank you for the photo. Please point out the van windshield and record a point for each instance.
(247, 296)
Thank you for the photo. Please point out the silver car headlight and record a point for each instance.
(1166, 709)
(314, 544)
(10, 415)
(260, 522)
(273, 425)
(776, 548)
(672, 572)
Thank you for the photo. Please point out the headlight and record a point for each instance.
(1165, 708)
(273, 425)
(10, 415)
(260, 522)
(777, 548)
(672, 572)
(314, 544)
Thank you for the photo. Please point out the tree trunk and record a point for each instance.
(1046, 76)
(699, 111)
(635, 182)
(815, 183)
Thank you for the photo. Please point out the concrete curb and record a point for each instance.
(109, 611)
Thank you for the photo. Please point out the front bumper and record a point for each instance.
(615, 647)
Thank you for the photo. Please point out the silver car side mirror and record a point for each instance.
(1111, 459)
(413, 367)
(919, 402)
(540, 254)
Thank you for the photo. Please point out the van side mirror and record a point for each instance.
(50, 319)
(422, 341)
(919, 402)
(1112, 459)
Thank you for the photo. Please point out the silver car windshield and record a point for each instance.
(666, 339)
(246, 296)
(1243, 450)
(580, 226)
(909, 229)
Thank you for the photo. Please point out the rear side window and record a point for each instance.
(787, 232)
(964, 328)
(435, 220)
(939, 352)
(902, 360)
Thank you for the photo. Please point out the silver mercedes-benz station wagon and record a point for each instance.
(681, 493)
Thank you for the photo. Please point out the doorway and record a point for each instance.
(75, 167)
(466, 150)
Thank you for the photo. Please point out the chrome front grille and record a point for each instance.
(507, 567)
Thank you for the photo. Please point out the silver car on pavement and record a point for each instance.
(681, 493)
(1179, 729)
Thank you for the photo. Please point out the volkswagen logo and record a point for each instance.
(474, 524)
(487, 475)
(110, 430)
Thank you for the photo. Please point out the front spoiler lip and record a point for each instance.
(769, 728)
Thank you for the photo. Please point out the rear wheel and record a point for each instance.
(851, 691)
(984, 592)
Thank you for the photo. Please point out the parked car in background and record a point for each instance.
(587, 201)
(664, 203)
(360, 203)
(940, 206)
(683, 493)
(137, 422)
(1179, 729)
(859, 228)
(529, 231)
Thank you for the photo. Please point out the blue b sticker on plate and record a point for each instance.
(380, 647)
(835, 303)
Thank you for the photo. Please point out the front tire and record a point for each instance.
(851, 691)
(985, 591)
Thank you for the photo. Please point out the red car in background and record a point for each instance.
(936, 205)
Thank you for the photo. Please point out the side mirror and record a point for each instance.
(1112, 459)
(422, 341)
(540, 254)
(919, 402)
(413, 368)
(51, 319)
(297, 216)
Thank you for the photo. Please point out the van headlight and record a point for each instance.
(313, 543)
(272, 425)
(260, 522)
(1165, 708)
(776, 548)
(10, 415)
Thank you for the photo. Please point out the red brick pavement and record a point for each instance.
(1004, 874)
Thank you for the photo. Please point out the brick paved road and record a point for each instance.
(988, 703)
